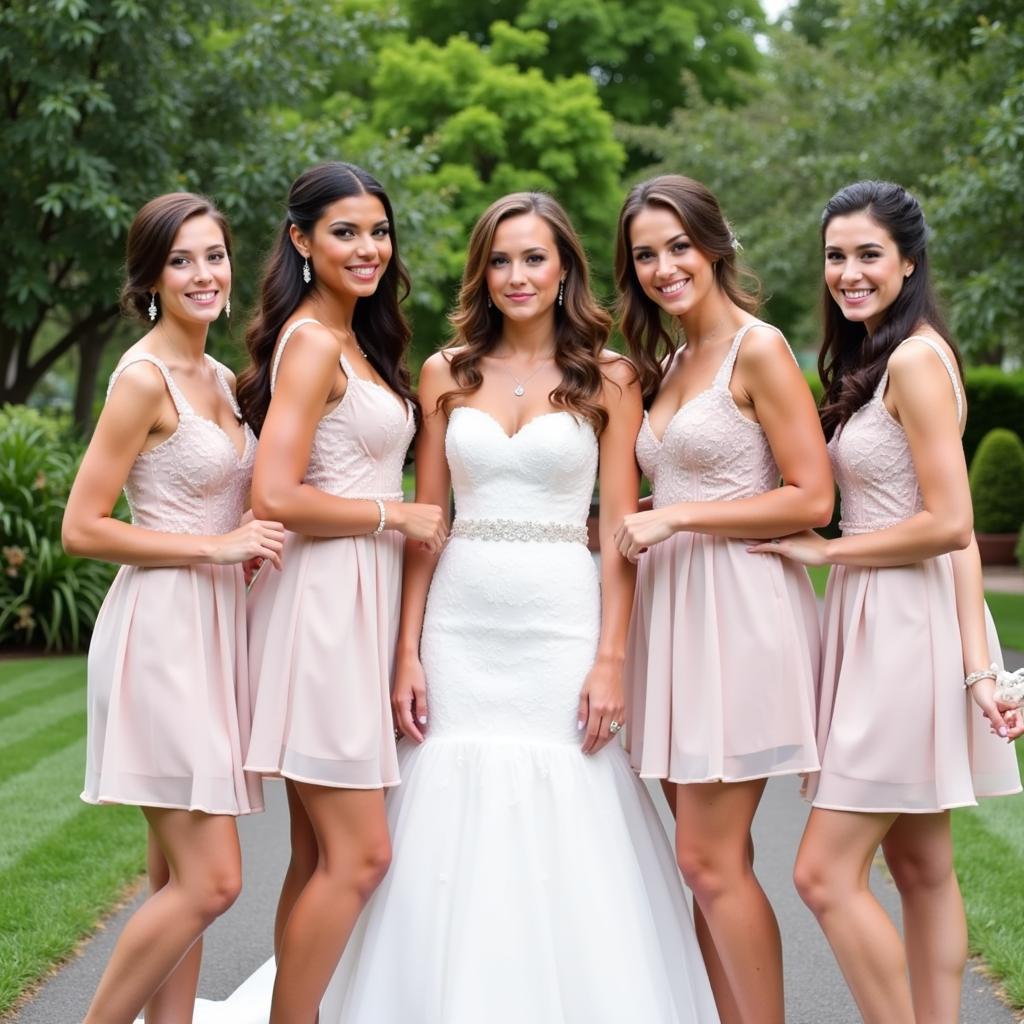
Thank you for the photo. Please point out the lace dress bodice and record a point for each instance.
(195, 482)
(359, 447)
(710, 451)
(872, 463)
(542, 473)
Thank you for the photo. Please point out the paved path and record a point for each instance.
(241, 940)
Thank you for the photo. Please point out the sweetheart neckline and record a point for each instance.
(497, 423)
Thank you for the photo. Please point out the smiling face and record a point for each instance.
(524, 268)
(671, 270)
(196, 278)
(350, 247)
(864, 270)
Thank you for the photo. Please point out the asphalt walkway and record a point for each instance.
(241, 940)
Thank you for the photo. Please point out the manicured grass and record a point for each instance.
(989, 845)
(63, 864)
(1007, 609)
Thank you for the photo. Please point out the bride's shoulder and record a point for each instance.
(437, 368)
(617, 368)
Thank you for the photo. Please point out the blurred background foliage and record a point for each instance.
(105, 103)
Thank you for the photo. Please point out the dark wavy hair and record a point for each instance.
(851, 361)
(642, 320)
(379, 325)
(150, 238)
(581, 325)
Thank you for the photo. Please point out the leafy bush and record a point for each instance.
(997, 482)
(47, 597)
(994, 399)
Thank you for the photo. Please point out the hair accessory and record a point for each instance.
(561, 291)
(152, 311)
(383, 518)
(307, 274)
(227, 306)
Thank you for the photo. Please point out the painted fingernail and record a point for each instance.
(1003, 731)
(579, 724)
(422, 719)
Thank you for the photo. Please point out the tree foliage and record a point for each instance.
(635, 50)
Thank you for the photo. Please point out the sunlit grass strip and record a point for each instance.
(62, 864)
(989, 845)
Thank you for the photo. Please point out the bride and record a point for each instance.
(531, 879)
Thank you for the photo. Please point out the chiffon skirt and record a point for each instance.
(722, 663)
(321, 641)
(168, 692)
(897, 731)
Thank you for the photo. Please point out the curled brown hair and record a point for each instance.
(641, 319)
(150, 239)
(581, 325)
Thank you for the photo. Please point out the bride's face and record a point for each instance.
(524, 269)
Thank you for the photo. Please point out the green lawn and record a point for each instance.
(1007, 609)
(62, 863)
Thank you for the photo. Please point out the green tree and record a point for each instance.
(819, 118)
(105, 104)
(493, 128)
(635, 50)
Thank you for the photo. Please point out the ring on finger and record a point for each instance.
(614, 727)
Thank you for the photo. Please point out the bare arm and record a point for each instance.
(786, 412)
(920, 390)
(139, 406)
(433, 487)
(602, 700)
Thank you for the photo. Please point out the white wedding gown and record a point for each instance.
(530, 883)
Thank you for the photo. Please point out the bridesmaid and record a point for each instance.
(329, 391)
(899, 740)
(168, 700)
(723, 651)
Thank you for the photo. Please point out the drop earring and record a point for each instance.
(152, 307)
(561, 291)
(227, 307)
(307, 274)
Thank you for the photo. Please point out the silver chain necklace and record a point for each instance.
(520, 389)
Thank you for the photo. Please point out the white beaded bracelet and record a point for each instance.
(383, 518)
(976, 677)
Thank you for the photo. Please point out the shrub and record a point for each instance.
(1019, 550)
(997, 482)
(994, 399)
(47, 597)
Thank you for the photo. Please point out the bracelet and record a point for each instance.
(976, 677)
(383, 520)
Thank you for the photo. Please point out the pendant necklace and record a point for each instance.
(520, 389)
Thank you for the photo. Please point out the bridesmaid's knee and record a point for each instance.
(814, 885)
(217, 893)
(919, 870)
(373, 863)
(702, 871)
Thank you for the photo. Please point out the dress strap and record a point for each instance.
(180, 401)
(281, 344)
(347, 367)
(218, 368)
(938, 350)
(724, 374)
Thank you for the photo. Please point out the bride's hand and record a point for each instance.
(601, 703)
(409, 697)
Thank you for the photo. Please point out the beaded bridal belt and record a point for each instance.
(519, 530)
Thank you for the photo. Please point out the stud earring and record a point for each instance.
(561, 291)
(152, 307)
(307, 274)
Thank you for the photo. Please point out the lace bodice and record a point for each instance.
(872, 463)
(710, 451)
(543, 473)
(359, 446)
(194, 482)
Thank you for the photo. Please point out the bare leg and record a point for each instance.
(713, 847)
(728, 1011)
(919, 852)
(354, 854)
(204, 864)
(833, 865)
(174, 1002)
(301, 865)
